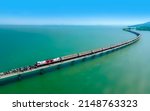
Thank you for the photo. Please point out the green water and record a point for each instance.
(123, 71)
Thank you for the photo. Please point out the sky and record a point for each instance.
(74, 12)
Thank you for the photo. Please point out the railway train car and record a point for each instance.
(104, 49)
(47, 62)
(42, 63)
(85, 53)
(56, 59)
(96, 50)
(69, 57)
(92, 52)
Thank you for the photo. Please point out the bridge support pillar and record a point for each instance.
(83, 59)
(72, 62)
(41, 71)
(59, 66)
(93, 56)
(19, 77)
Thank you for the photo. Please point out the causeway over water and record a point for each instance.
(74, 57)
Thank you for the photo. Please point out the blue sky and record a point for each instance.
(74, 12)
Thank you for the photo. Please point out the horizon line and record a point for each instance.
(69, 21)
(68, 24)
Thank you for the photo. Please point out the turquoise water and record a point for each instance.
(123, 71)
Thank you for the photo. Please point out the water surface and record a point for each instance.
(123, 71)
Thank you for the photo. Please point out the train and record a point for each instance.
(46, 62)
(73, 56)
(68, 57)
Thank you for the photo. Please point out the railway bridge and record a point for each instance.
(69, 58)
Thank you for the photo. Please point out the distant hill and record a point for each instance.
(144, 26)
